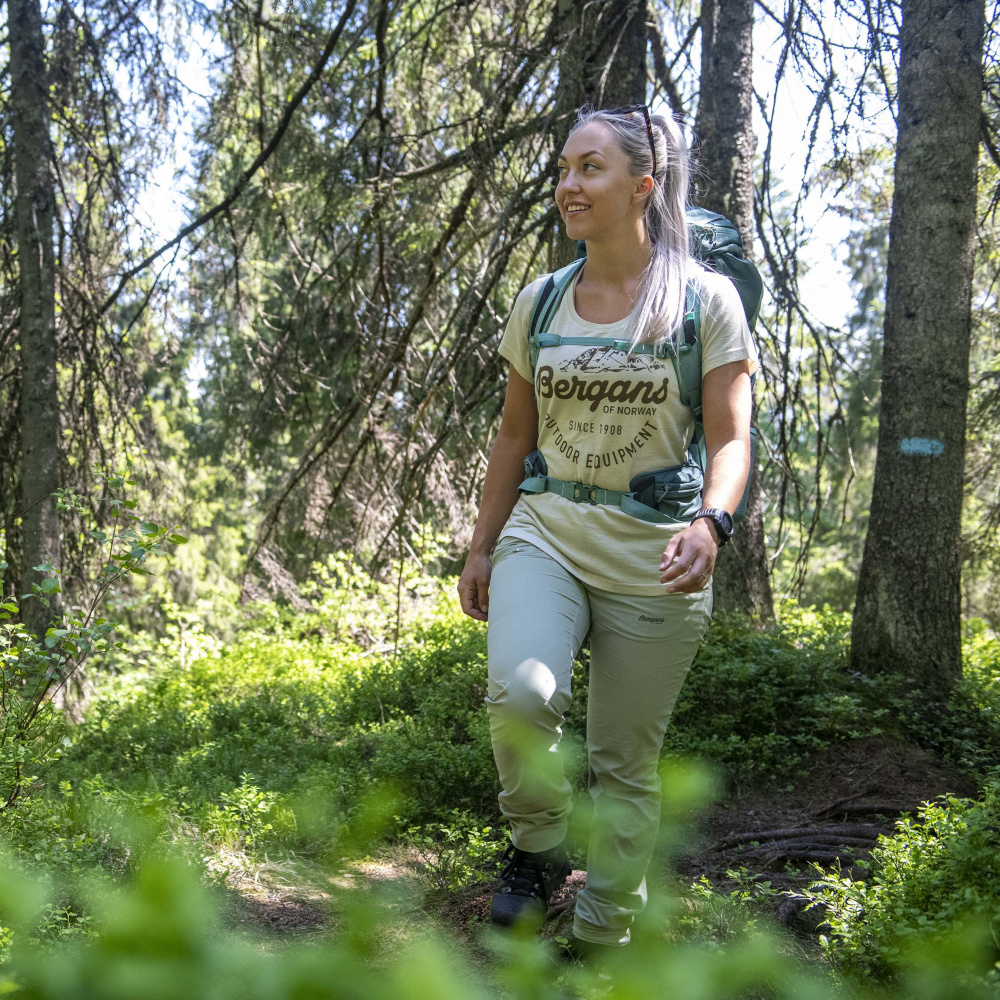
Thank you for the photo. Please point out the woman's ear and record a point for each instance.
(643, 189)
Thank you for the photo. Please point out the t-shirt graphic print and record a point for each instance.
(612, 408)
(605, 416)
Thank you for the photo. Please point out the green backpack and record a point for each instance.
(671, 495)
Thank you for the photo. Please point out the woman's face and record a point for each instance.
(595, 189)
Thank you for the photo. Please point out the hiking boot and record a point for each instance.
(527, 882)
(585, 952)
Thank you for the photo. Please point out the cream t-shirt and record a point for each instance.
(603, 417)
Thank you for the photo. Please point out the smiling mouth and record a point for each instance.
(577, 211)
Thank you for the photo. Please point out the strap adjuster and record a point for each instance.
(690, 330)
(548, 339)
(584, 493)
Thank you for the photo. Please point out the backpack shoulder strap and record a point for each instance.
(689, 357)
(687, 367)
(687, 363)
(546, 304)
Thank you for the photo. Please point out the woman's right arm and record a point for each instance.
(517, 437)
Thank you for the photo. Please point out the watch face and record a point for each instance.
(726, 521)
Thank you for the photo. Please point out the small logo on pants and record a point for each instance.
(644, 618)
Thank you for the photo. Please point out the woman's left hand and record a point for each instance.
(689, 558)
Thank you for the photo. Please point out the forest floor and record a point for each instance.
(851, 792)
(848, 794)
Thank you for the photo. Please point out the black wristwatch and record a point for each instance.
(722, 519)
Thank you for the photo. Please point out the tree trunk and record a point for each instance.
(35, 200)
(602, 63)
(907, 616)
(724, 169)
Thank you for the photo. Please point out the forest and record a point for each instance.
(255, 263)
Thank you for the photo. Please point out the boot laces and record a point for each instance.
(524, 874)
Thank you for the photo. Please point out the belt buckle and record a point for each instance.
(584, 493)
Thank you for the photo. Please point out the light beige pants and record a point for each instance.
(641, 649)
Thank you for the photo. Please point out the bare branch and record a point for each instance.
(248, 174)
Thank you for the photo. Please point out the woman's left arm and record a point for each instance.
(689, 558)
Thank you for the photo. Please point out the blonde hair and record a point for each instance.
(659, 311)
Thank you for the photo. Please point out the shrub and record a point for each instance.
(756, 702)
(937, 876)
(159, 936)
(34, 669)
(459, 854)
(962, 728)
(301, 712)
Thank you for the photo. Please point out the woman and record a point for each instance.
(545, 570)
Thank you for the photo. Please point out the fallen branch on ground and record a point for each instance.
(847, 829)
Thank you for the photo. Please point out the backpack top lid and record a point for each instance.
(711, 234)
(716, 243)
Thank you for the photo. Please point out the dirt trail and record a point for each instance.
(850, 794)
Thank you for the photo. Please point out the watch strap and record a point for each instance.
(722, 519)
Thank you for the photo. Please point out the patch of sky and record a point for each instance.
(825, 280)
(196, 373)
(165, 204)
(342, 130)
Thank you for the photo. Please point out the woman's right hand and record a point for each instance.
(474, 586)
(517, 437)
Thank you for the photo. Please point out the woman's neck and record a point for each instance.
(619, 260)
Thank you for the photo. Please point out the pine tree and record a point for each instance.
(725, 167)
(907, 616)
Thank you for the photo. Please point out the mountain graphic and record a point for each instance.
(609, 359)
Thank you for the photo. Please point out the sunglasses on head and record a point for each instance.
(625, 109)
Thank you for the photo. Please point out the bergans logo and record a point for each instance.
(646, 618)
(596, 391)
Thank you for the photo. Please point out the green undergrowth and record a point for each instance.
(260, 748)
(758, 702)
(935, 882)
(227, 740)
(965, 731)
(160, 933)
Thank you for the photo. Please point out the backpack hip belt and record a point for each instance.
(587, 493)
(666, 496)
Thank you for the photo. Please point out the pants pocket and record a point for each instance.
(507, 545)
